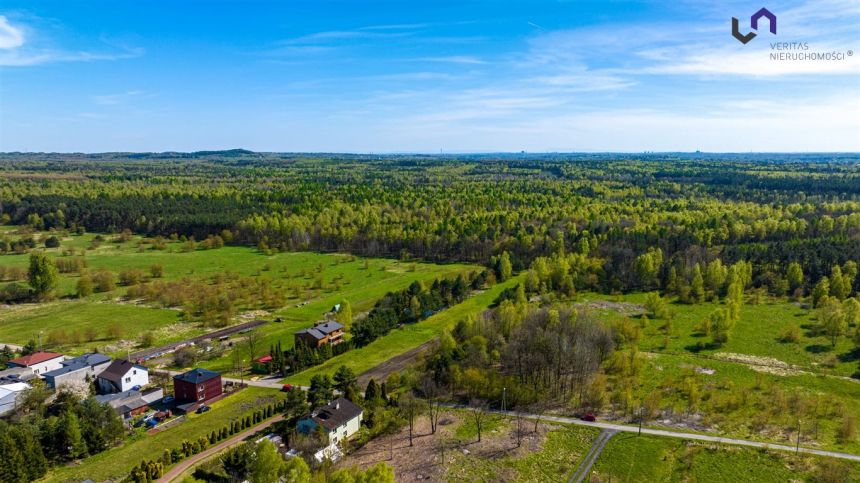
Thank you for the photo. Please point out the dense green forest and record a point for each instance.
(677, 211)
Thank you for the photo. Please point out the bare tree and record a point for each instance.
(434, 403)
(519, 426)
(479, 415)
(538, 408)
(252, 342)
(410, 408)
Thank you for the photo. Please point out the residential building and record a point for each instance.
(16, 374)
(10, 395)
(339, 419)
(196, 387)
(38, 362)
(132, 402)
(122, 375)
(328, 332)
(79, 369)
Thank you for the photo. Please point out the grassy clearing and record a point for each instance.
(313, 283)
(757, 333)
(552, 458)
(116, 462)
(628, 457)
(402, 340)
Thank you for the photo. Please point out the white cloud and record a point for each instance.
(10, 37)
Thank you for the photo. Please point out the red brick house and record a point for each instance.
(195, 387)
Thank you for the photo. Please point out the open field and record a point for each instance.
(628, 457)
(312, 282)
(757, 333)
(116, 462)
(407, 338)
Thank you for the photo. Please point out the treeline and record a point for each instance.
(766, 209)
(411, 305)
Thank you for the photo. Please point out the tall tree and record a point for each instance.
(42, 274)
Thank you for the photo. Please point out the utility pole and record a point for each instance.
(797, 450)
(504, 393)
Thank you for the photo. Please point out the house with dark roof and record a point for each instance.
(327, 332)
(338, 419)
(122, 375)
(79, 369)
(195, 387)
(132, 402)
(38, 362)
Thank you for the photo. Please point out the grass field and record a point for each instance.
(757, 333)
(632, 458)
(402, 340)
(115, 463)
(313, 283)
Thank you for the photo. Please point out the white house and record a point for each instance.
(39, 362)
(9, 395)
(339, 419)
(122, 375)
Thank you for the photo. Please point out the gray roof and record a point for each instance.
(78, 363)
(336, 413)
(196, 376)
(320, 331)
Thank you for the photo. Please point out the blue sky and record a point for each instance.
(427, 76)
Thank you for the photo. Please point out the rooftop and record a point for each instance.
(196, 376)
(336, 413)
(34, 358)
(78, 363)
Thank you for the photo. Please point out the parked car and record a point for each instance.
(287, 388)
(203, 409)
(168, 399)
(588, 417)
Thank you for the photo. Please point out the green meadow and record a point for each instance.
(312, 282)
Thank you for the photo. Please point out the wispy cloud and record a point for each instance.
(114, 99)
(16, 51)
(451, 59)
(10, 36)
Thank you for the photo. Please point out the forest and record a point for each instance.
(677, 211)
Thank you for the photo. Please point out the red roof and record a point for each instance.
(265, 359)
(34, 358)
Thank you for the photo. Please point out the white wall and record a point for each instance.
(46, 366)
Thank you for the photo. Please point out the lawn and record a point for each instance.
(628, 457)
(409, 337)
(116, 462)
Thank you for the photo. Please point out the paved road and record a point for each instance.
(13, 347)
(180, 468)
(678, 434)
(584, 468)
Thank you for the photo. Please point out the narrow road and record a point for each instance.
(271, 382)
(183, 465)
(584, 468)
(676, 434)
(12, 347)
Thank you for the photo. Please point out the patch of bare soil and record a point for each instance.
(431, 455)
(767, 365)
(626, 309)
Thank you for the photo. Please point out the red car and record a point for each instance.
(287, 388)
(588, 417)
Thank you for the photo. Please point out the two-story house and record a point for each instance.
(122, 375)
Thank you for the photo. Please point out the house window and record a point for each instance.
(127, 379)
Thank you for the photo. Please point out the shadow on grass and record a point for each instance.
(702, 346)
(853, 355)
(818, 348)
